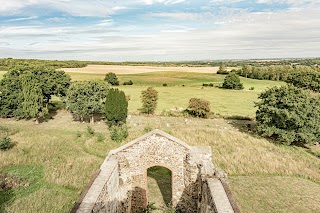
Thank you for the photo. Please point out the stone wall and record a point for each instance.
(121, 185)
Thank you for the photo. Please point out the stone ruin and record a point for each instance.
(121, 184)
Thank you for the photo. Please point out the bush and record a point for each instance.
(208, 85)
(116, 107)
(90, 131)
(289, 115)
(128, 83)
(147, 128)
(149, 99)
(198, 107)
(165, 85)
(232, 81)
(5, 143)
(118, 133)
(251, 88)
(112, 79)
(223, 72)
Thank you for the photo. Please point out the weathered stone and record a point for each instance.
(121, 185)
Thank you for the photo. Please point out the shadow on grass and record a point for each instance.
(163, 177)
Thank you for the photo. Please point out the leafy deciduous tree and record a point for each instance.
(232, 81)
(112, 79)
(87, 98)
(289, 114)
(149, 98)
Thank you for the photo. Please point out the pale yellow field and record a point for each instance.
(118, 69)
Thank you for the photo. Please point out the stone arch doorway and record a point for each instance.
(159, 186)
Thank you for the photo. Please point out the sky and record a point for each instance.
(159, 30)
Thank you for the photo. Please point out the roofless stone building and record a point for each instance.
(121, 185)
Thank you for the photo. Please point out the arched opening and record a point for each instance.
(159, 186)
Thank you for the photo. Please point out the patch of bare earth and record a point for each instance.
(118, 69)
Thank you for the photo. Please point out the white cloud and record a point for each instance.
(167, 2)
(105, 23)
(23, 19)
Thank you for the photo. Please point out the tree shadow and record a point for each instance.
(163, 177)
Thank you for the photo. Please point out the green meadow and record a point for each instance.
(59, 156)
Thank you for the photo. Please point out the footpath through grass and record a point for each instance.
(58, 158)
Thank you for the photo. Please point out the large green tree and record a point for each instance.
(45, 82)
(87, 98)
(232, 81)
(116, 107)
(112, 79)
(289, 114)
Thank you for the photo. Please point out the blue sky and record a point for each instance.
(159, 30)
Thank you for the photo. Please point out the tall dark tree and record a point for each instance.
(116, 107)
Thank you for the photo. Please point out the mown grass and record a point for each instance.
(65, 157)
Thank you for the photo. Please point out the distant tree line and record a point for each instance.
(274, 73)
(5, 63)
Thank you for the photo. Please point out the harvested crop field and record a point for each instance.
(118, 69)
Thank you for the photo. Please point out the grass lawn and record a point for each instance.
(58, 158)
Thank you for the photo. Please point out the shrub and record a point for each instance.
(150, 208)
(198, 107)
(251, 88)
(147, 128)
(100, 137)
(90, 131)
(289, 115)
(232, 81)
(165, 85)
(116, 107)
(128, 83)
(118, 133)
(112, 79)
(223, 72)
(149, 99)
(207, 85)
(5, 143)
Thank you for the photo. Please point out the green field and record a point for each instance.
(223, 102)
(59, 157)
